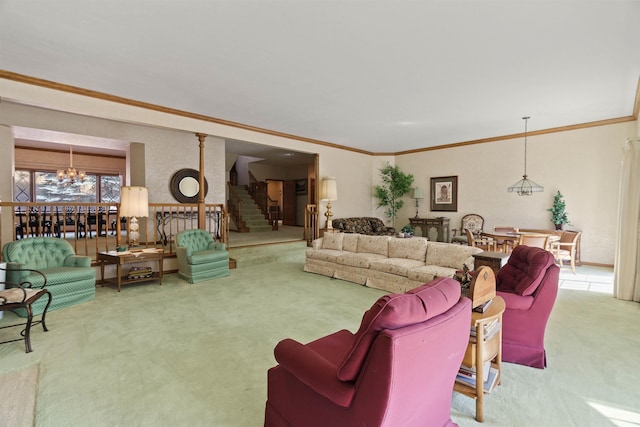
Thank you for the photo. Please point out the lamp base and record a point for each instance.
(329, 215)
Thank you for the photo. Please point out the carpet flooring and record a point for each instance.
(18, 397)
(197, 355)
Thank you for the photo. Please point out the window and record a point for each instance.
(43, 186)
(22, 186)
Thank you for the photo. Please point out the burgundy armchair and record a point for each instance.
(397, 370)
(529, 285)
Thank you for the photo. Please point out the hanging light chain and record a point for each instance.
(526, 119)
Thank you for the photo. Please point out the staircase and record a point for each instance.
(245, 212)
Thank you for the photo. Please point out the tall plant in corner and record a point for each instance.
(558, 211)
(395, 184)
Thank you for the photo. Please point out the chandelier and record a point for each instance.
(525, 187)
(71, 173)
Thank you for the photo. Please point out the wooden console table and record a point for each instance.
(121, 258)
(427, 225)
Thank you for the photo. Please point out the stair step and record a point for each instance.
(279, 252)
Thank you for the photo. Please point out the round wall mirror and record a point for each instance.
(185, 186)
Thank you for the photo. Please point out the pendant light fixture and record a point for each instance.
(70, 173)
(525, 187)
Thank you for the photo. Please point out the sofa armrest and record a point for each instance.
(183, 251)
(317, 244)
(315, 371)
(182, 254)
(77, 261)
(16, 273)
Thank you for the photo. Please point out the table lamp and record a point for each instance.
(134, 203)
(417, 195)
(329, 192)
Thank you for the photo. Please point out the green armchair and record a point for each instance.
(200, 257)
(69, 277)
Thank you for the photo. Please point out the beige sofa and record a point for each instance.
(386, 262)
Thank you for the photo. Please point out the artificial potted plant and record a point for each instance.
(558, 211)
(395, 184)
(407, 230)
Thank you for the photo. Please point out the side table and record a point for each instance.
(121, 258)
(495, 260)
(481, 350)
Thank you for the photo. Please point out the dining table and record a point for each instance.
(513, 237)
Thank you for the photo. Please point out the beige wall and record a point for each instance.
(583, 164)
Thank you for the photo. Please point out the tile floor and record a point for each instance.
(587, 278)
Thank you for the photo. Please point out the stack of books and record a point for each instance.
(470, 373)
(467, 376)
(490, 329)
(482, 308)
(139, 272)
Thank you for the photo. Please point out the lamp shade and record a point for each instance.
(417, 194)
(329, 189)
(134, 201)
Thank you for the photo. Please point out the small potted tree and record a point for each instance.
(558, 211)
(395, 184)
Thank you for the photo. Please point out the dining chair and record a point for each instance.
(565, 248)
(483, 243)
(535, 240)
(505, 246)
(473, 222)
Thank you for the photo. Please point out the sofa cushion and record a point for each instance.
(350, 242)
(398, 266)
(396, 311)
(427, 273)
(524, 270)
(377, 226)
(362, 260)
(330, 255)
(413, 248)
(449, 255)
(374, 244)
(332, 241)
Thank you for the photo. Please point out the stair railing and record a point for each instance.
(311, 226)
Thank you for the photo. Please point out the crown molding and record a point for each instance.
(121, 100)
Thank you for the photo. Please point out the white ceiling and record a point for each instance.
(376, 75)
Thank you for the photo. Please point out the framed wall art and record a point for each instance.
(301, 187)
(444, 194)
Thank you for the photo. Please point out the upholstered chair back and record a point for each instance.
(38, 253)
(398, 369)
(194, 240)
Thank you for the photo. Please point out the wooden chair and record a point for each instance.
(22, 296)
(535, 240)
(479, 242)
(473, 222)
(565, 248)
(504, 245)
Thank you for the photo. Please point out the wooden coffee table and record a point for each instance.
(130, 257)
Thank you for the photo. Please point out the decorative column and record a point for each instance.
(202, 213)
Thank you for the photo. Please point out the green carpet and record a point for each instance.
(197, 355)
(18, 397)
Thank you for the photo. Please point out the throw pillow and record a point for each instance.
(332, 241)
